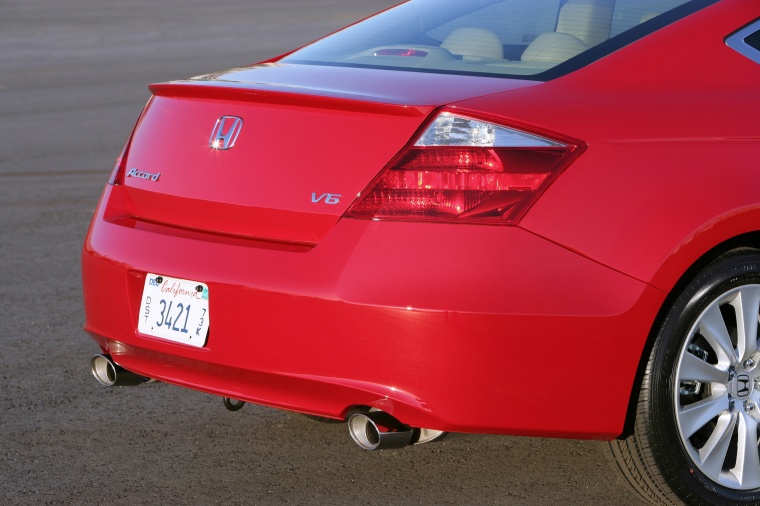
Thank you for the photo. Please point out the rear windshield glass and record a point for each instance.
(515, 38)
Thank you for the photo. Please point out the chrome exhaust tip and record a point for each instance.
(109, 373)
(377, 430)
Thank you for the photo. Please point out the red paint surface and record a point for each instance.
(454, 327)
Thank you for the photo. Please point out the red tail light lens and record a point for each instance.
(119, 167)
(466, 170)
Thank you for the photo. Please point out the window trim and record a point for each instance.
(624, 39)
(736, 41)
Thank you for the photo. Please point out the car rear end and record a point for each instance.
(341, 229)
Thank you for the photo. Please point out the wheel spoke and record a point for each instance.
(694, 416)
(713, 453)
(747, 470)
(713, 328)
(696, 369)
(747, 306)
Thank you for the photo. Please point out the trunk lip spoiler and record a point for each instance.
(281, 95)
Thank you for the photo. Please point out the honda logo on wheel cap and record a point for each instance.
(743, 383)
(225, 132)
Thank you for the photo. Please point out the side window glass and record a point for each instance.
(753, 40)
(629, 13)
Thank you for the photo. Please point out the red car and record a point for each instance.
(535, 217)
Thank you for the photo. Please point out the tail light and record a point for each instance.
(120, 166)
(466, 170)
(117, 173)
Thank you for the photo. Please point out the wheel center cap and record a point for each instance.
(743, 386)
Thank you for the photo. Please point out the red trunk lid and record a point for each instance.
(310, 139)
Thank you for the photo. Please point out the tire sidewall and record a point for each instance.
(726, 273)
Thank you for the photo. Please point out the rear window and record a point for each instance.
(513, 38)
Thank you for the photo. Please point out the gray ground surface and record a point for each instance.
(73, 77)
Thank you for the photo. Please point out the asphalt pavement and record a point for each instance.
(73, 78)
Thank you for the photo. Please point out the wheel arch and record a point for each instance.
(745, 240)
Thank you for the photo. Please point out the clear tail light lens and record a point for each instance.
(119, 168)
(466, 170)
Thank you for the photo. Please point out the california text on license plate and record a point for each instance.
(174, 309)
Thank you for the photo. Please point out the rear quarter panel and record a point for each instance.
(672, 165)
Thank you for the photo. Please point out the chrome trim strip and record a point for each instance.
(224, 136)
(736, 41)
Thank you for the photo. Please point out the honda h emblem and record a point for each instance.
(742, 385)
(225, 132)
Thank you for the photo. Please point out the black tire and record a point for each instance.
(695, 434)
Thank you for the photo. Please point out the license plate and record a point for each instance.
(174, 309)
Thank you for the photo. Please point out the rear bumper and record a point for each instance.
(449, 327)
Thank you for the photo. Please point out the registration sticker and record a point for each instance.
(174, 309)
